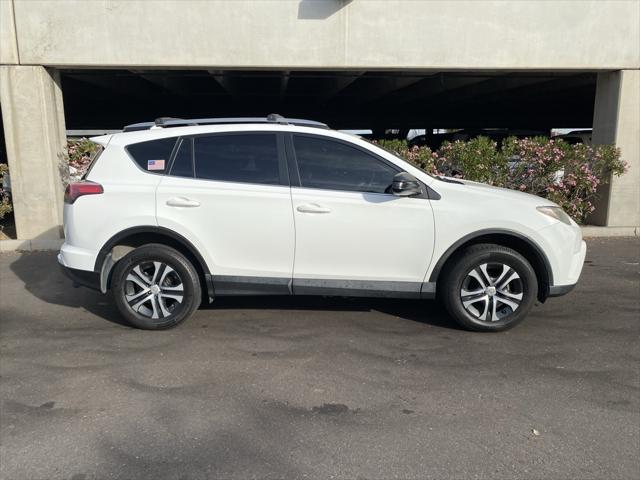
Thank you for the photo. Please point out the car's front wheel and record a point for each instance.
(488, 288)
(155, 287)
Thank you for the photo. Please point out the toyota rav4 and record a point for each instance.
(175, 212)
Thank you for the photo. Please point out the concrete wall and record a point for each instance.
(8, 39)
(617, 120)
(34, 131)
(536, 34)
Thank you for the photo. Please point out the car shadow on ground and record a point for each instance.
(427, 312)
(43, 278)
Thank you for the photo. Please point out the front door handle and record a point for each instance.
(312, 208)
(182, 202)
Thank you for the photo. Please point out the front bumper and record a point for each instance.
(573, 269)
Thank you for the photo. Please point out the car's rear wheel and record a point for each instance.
(488, 288)
(155, 287)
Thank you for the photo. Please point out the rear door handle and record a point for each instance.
(312, 208)
(182, 202)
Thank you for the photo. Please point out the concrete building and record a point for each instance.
(359, 64)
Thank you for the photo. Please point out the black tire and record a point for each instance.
(180, 280)
(493, 257)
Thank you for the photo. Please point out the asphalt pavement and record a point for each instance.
(319, 387)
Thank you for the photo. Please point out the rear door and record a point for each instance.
(229, 194)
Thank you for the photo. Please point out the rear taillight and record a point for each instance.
(76, 190)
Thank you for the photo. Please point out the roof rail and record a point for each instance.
(166, 122)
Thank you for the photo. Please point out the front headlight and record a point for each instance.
(556, 213)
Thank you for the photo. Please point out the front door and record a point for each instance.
(352, 237)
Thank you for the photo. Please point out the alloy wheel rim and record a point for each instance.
(491, 291)
(154, 289)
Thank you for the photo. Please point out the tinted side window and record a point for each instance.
(183, 161)
(152, 156)
(335, 166)
(247, 158)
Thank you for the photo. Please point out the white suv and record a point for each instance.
(178, 211)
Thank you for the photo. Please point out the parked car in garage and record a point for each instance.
(436, 140)
(576, 136)
(174, 212)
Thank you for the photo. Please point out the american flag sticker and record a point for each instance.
(155, 164)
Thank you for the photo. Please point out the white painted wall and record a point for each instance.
(527, 34)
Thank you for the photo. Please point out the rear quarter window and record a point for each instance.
(152, 156)
(83, 170)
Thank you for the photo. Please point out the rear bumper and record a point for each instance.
(84, 278)
(75, 257)
(559, 290)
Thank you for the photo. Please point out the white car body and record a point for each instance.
(255, 238)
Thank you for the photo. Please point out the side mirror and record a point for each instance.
(405, 185)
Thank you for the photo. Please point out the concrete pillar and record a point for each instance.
(33, 117)
(617, 120)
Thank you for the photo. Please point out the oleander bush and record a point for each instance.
(568, 175)
(5, 200)
(79, 155)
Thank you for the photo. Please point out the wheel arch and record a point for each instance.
(138, 236)
(522, 244)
